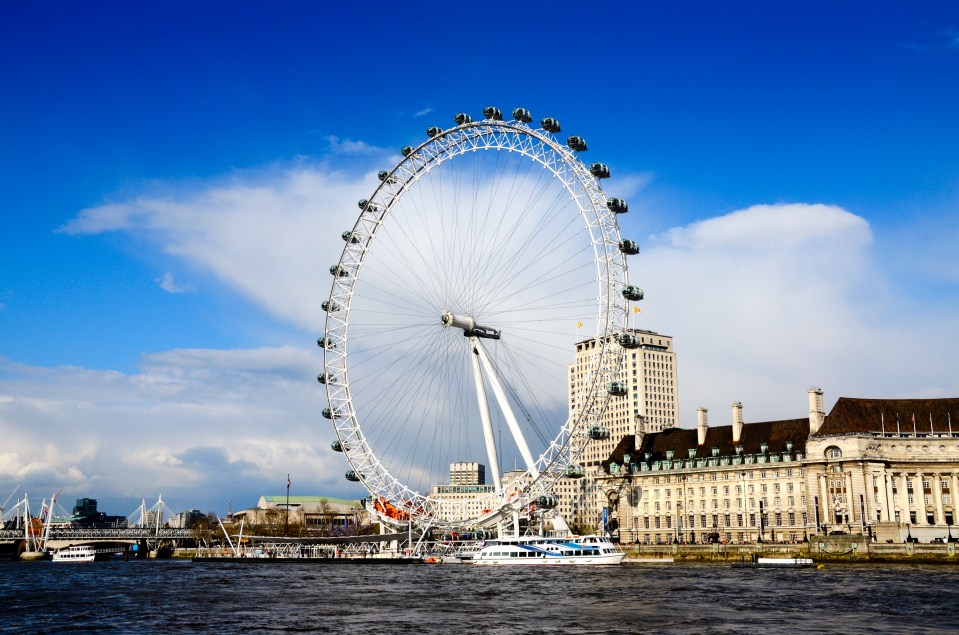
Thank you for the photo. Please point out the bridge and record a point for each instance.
(64, 537)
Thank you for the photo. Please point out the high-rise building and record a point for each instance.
(650, 404)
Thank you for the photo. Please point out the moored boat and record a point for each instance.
(776, 563)
(75, 554)
(540, 550)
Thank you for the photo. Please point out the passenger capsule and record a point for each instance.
(492, 112)
(575, 471)
(323, 378)
(406, 151)
(327, 413)
(617, 205)
(351, 476)
(629, 247)
(325, 343)
(599, 170)
(521, 114)
(598, 432)
(384, 176)
(546, 502)
(348, 236)
(330, 306)
(339, 272)
(462, 118)
(432, 131)
(337, 446)
(576, 144)
(550, 125)
(634, 294)
(627, 340)
(616, 388)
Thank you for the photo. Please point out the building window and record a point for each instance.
(832, 452)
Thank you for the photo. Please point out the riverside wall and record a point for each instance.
(836, 549)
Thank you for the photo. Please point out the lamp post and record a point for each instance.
(762, 527)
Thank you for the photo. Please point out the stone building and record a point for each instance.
(854, 471)
(889, 467)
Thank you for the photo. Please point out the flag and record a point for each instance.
(288, 481)
(636, 309)
(579, 325)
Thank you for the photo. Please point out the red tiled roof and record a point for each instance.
(680, 440)
(851, 415)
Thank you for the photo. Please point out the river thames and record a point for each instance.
(181, 596)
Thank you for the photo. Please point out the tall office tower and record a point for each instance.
(651, 402)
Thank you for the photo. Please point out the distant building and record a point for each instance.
(85, 514)
(467, 488)
(316, 514)
(467, 473)
(185, 520)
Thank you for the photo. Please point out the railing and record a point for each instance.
(129, 533)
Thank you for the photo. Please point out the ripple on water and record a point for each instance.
(671, 599)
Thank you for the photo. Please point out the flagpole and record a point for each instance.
(286, 529)
(882, 420)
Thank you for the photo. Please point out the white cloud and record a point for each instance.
(168, 284)
(270, 236)
(424, 112)
(349, 146)
(199, 427)
(767, 301)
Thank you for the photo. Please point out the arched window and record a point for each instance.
(832, 452)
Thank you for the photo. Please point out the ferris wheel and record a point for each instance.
(474, 268)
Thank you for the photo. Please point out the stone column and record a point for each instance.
(852, 501)
(890, 502)
(921, 503)
(903, 499)
(823, 502)
(953, 487)
(872, 496)
(940, 517)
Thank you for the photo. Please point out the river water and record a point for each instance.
(180, 596)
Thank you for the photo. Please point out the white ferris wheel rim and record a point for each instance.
(611, 308)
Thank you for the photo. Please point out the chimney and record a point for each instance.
(737, 422)
(816, 413)
(702, 417)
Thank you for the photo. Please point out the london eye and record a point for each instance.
(474, 266)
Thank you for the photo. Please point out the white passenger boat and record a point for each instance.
(75, 554)
(775, 563)
(539, 550)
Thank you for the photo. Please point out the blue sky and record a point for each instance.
(169, 174)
